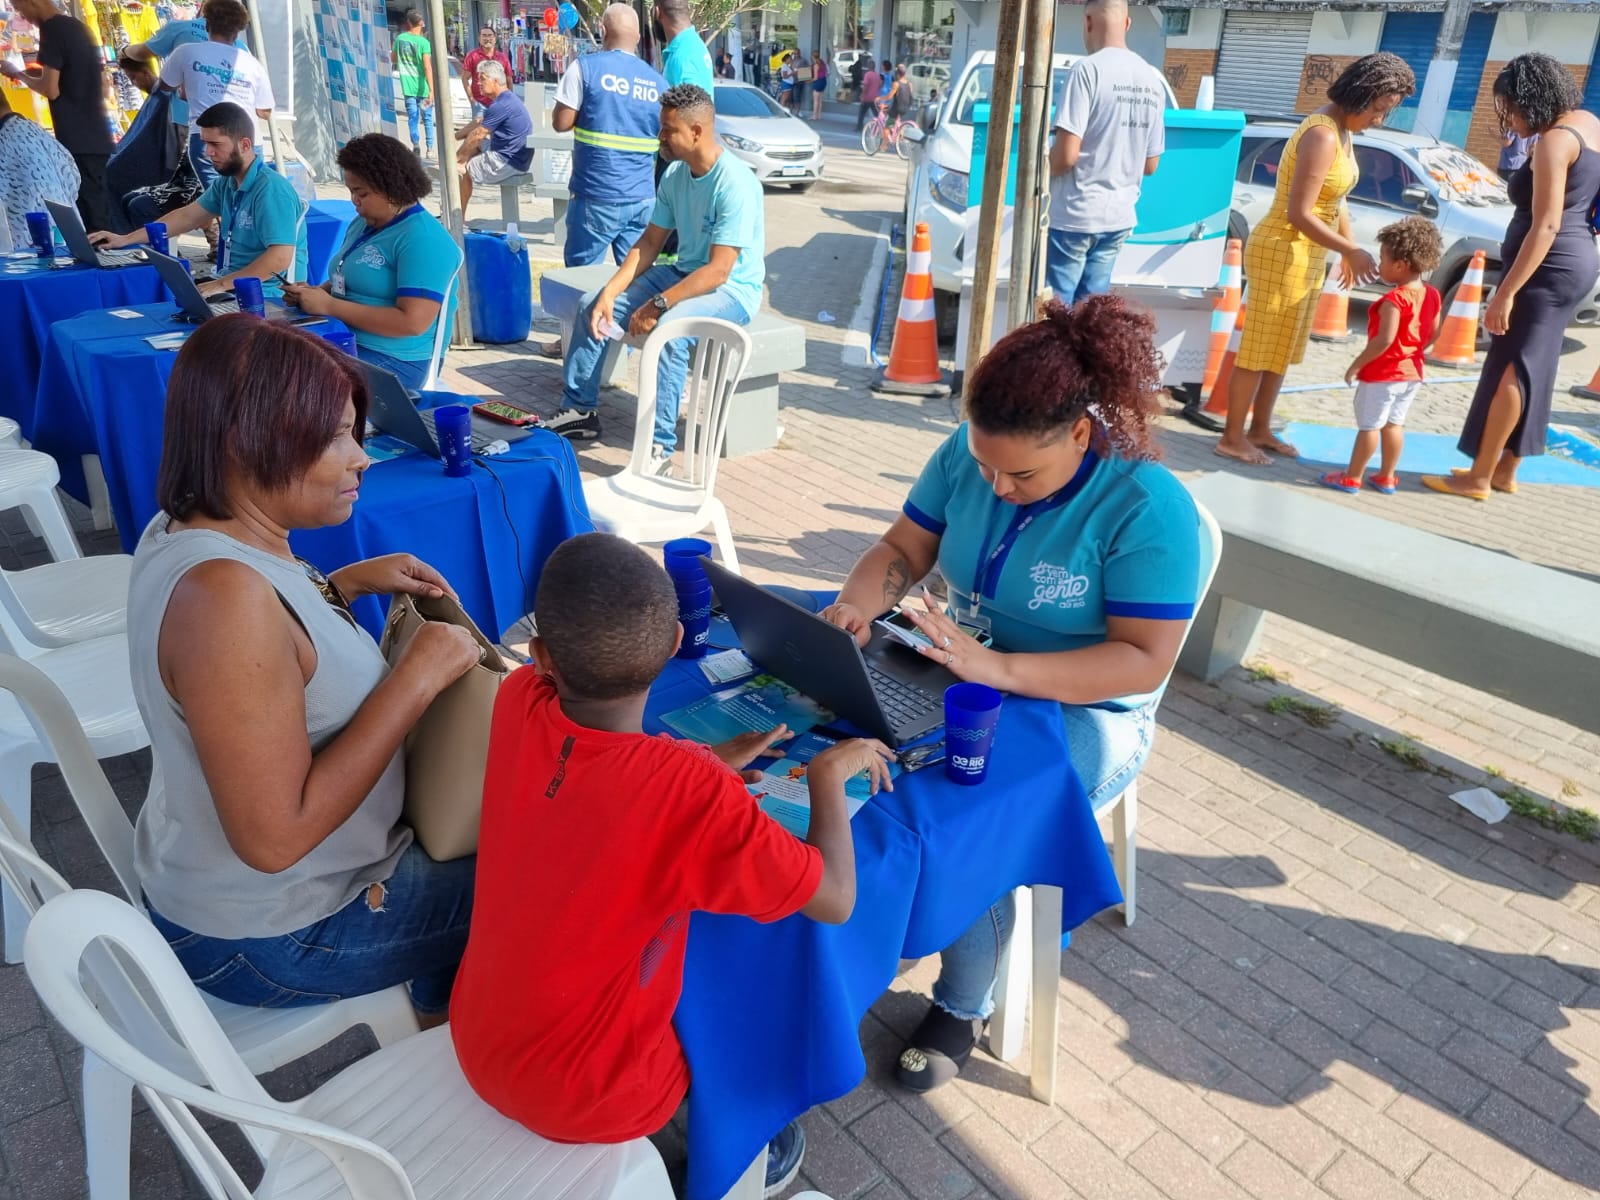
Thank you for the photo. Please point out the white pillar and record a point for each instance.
(1434, 102)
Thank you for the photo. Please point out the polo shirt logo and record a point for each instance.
(1058, 586)
(372, 256)
(246, 219)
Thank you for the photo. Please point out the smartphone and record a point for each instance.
(899, 627)
(506, 414)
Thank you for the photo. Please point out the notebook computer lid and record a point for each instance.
(73, 233)
(183, 288)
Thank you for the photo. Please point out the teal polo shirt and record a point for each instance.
(723, 207)
(413, 255)
(686, 60)
(1121, 539)
(264, 210)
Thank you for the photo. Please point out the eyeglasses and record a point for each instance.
(330, 590)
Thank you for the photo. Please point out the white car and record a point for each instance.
(774, 143)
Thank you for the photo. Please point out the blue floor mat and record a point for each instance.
(1436, 453)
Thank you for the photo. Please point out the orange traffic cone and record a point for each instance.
(1331, 322)
(1590, 390)
(1457, 344)
(913, 368)
(1226, 314)
(1217, 402)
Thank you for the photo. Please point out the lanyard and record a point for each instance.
(991, 562)
(372, 231)
(231, 204)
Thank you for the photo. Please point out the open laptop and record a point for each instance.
(888, 689)
(77, 239)
(393, 411)
(187, 293)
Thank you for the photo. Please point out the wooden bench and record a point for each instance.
(776, 346)
(1521, 632)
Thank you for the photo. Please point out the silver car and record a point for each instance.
(778, 146)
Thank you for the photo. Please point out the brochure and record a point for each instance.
(760, 703)
(784, 796)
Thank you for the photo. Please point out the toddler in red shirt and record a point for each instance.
(1388, 372)
(597, 841)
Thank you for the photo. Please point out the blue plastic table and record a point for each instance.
(770, 1014)
(33, 297)
(326, 221)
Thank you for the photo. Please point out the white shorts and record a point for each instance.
(1380, 404)
(486, 166)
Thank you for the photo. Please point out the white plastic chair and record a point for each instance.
(649, 508)
(59, 603)
(441, 335)
(1038, 922)
(265, 1038)
(28, 481)
(401, 1124)
(10, 434)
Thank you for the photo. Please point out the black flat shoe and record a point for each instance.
(937, 1050)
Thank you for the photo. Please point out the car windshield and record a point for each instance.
(1470, 180)
(746, 102)
(975, 90)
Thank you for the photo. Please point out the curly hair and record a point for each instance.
(1367, 80)
(1414, 240)
(1539, 88)
(387, 165)
(692, 101)
(1097, 359)
(225, 18)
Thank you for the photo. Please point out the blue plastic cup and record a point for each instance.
(41, 233)
(694, 614)
(682, 557)
(971, 712)
(247, 290)
(344, 339)
(156, 233)
(453, 424)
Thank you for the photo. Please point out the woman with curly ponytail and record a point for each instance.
(1065, 542)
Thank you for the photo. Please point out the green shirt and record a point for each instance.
(411, 50)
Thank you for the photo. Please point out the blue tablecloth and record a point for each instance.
(770, 1014)
(326, 221)
(33, 300)
(102, 390)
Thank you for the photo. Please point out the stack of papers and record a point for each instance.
(167, 341)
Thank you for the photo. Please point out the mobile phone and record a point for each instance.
(899, 627)
(506, 414)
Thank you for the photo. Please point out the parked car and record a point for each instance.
(1402, 174)
(460, 102)
(778, 146)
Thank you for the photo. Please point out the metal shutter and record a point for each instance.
(1474, 53)
(1412, 36)
(1262, 58)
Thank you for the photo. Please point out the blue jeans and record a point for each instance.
(593, 228)
(411, 928)
(586, 354)
(198, 160)
(1107, 747)
(410, 372)
(414, 109)
(1078, 265)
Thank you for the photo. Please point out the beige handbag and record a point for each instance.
(448, 748)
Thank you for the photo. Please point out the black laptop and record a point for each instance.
(393, 410)
(77, 241)
(888, 690)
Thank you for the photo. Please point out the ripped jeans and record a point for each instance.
(1108, 747)
(411, 928)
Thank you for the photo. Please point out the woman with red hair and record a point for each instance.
(1068, 550)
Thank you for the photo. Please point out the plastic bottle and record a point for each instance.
(514, 242)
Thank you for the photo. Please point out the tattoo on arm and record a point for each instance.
(896, 582)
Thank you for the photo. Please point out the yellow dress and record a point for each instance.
(1284, 268)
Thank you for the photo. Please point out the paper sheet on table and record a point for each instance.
(784, 795)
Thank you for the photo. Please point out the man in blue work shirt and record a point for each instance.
(714, 203)
(611, 102)
(505, 126)
(263, 220)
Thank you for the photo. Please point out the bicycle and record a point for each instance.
(880, 130)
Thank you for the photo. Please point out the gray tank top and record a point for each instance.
(189, 872)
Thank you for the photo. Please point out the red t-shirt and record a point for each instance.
(594, 849)
(1419, 317)
(469, 70)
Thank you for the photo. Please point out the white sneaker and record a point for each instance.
(660, 463)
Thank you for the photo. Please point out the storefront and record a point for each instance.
(920, 35)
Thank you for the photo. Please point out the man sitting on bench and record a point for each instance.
(714, 204)
(505, 126)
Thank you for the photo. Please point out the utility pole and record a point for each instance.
(1032, 178)
(1441, 78)
(996, 166)
(451, 213)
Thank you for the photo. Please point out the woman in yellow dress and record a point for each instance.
(1283, 262)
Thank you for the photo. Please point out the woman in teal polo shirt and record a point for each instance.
(1060, 538)
(390, 278)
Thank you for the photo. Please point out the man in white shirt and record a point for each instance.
(1109, 135)
(217, 70)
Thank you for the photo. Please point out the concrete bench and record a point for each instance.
(511, 198)
(776, 346)
(1521, 632)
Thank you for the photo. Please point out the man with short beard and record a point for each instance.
(263, 227)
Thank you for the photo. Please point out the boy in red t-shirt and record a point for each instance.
(1388, 373)
(597, 842)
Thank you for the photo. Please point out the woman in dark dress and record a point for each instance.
(1549, 262)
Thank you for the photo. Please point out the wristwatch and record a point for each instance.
(660, 302)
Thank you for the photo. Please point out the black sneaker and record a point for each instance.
(785, 1153)
(575, 424)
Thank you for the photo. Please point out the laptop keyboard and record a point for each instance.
(119, 258)
(223, 306)
(901, 703)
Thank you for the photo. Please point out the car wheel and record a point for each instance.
(946, 315)
(1491, 277)
(1237, 228)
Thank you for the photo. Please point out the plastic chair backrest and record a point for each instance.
(32, 879)
(18, 634)
(1210, 534)
(60, 935)
(441, 328)
(716, 365)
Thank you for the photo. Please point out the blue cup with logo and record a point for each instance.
(41, 233)
(971, 713)
(343, 339)
(247, 290)
(694, 614)
(453, 425)
(156, 233)
(682, 558)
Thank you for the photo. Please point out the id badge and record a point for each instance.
(224, 253)
(967, 612)
(336, 283)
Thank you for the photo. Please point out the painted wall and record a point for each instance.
(1567, 37)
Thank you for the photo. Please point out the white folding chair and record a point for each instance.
(649, 508)
(441, 336)
(59, 603)
(266, 1038)
(400, 1124)
(1038, 923)
(28, 481)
